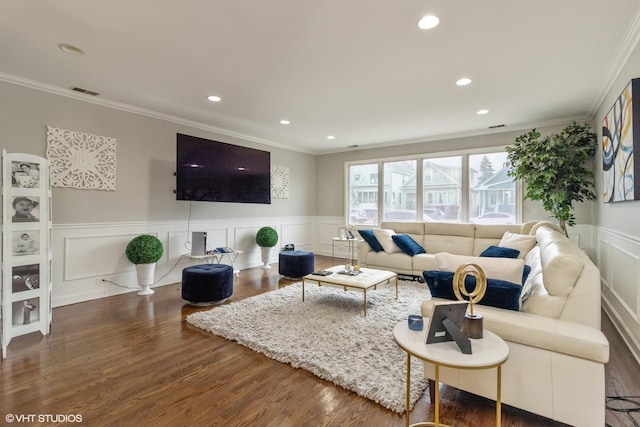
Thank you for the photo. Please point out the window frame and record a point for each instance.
(420, 158)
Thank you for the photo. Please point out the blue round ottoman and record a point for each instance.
(295, 263)
(206, 284)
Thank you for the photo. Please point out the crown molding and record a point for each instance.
(624, 51)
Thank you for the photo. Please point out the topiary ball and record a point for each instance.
(144, 249)
(267, 237)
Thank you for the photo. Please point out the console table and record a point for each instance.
(217, 257)
(488, 352)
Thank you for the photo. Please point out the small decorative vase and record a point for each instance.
(265, 257)
(145, 277)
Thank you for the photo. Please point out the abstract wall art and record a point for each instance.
(620, 143)
(81, 160)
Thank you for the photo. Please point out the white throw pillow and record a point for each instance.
(384, 237)
(521, 242)
(508, 269)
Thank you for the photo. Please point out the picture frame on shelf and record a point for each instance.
(25, 209)
(26, 312)
(26, 242)
(25, 174)
(25, 277)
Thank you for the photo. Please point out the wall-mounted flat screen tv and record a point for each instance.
(215, 171)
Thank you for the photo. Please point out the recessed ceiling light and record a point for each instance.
(463, 81)
(68, 48)
(428, 22)
(483, 111)
(214, 98)
(331, 137)
(284, 122)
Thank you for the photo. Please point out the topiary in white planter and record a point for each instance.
(266, 238)
(144, 251)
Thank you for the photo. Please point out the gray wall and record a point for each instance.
(619, 216)
(145, 162)
(331, 170)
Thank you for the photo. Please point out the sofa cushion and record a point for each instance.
(500, 252)
(500, 293)
(384, 237)
(449, 237)
(407, 244)
(490, 234)
(561, 264)
(521, 242)
(506, 269)
(370, 238)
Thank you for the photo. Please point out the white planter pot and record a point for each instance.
(145, 277)
(265, 257)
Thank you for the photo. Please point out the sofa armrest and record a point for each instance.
(560, 336)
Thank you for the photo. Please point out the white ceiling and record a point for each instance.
(358, 69)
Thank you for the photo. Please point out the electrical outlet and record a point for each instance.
(106, 279)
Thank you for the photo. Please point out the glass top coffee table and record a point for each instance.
(367, 278)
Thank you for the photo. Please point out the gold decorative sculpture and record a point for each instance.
(472, 326)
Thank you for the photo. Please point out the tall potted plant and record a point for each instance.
(266, 238)
(555, 169)
(144, 251)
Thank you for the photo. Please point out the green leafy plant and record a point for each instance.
(144, 249)
(267, 237)
(555, 169)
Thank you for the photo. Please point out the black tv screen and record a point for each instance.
(215, 171)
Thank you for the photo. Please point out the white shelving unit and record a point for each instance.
(26, 246)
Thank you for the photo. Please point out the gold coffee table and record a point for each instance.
(488, 352)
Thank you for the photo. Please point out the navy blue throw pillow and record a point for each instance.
(369, 237)
(500, 293)
(407, 244)
(500, 252)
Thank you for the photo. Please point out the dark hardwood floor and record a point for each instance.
(130, 360)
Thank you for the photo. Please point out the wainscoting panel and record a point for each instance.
(85, 254)
(91, 255)
(623, 262)
(618, 258)
(603, 256)
(326, 229)
(300, 234)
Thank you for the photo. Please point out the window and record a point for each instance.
(455, 188)
(443, 188)
(491, 190)
(400, 183)
(363, 194)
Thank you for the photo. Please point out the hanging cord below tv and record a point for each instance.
(187, 243)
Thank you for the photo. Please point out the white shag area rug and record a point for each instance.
(329, 336)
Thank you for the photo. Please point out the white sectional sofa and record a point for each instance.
(556, 349)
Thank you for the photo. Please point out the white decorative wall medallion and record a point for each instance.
(279, 182)
(81, 160)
